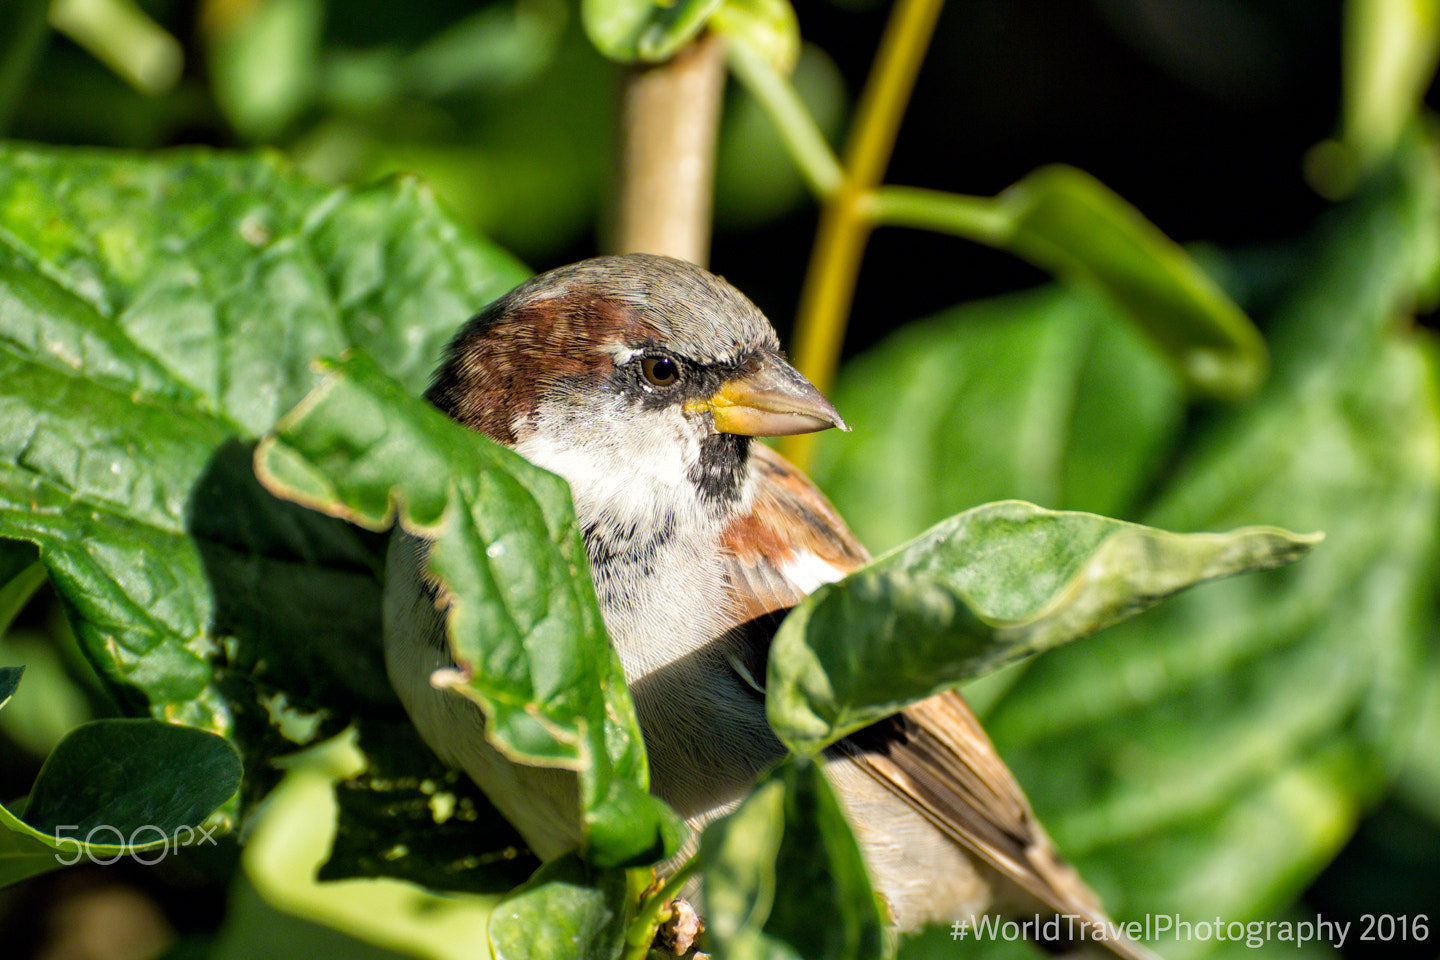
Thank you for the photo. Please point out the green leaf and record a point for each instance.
(975, 592)
(569, 909)
(1068, 222)
(118, 787)
(133, 366)
(643, 30)
(133, 771)
(159, 314)
(513, 569)
(784, 877)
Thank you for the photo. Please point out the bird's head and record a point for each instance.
(630, 369)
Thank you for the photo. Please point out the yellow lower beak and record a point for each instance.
(774, 401)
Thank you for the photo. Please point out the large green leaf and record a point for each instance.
(975, 592)
(783, 876)
(513, 570)
(158, 315)
(133, 771)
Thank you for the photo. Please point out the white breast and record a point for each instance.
(662, 590)
(656, 570)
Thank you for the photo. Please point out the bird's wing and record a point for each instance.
(790, 541)
(933, 755)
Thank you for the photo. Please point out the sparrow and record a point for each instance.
(643, 381)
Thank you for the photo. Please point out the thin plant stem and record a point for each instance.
(845, 220)
(817, 161)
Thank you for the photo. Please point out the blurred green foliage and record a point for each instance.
(507, 110)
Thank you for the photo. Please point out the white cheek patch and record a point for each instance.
(808, 572)
(612, 469)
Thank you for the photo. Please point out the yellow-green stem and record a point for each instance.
(845, 222)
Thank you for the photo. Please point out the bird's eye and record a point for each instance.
(660, 371)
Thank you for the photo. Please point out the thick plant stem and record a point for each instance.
(845, 220)
(667, 154)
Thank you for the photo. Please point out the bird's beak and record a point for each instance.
(773, 401)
